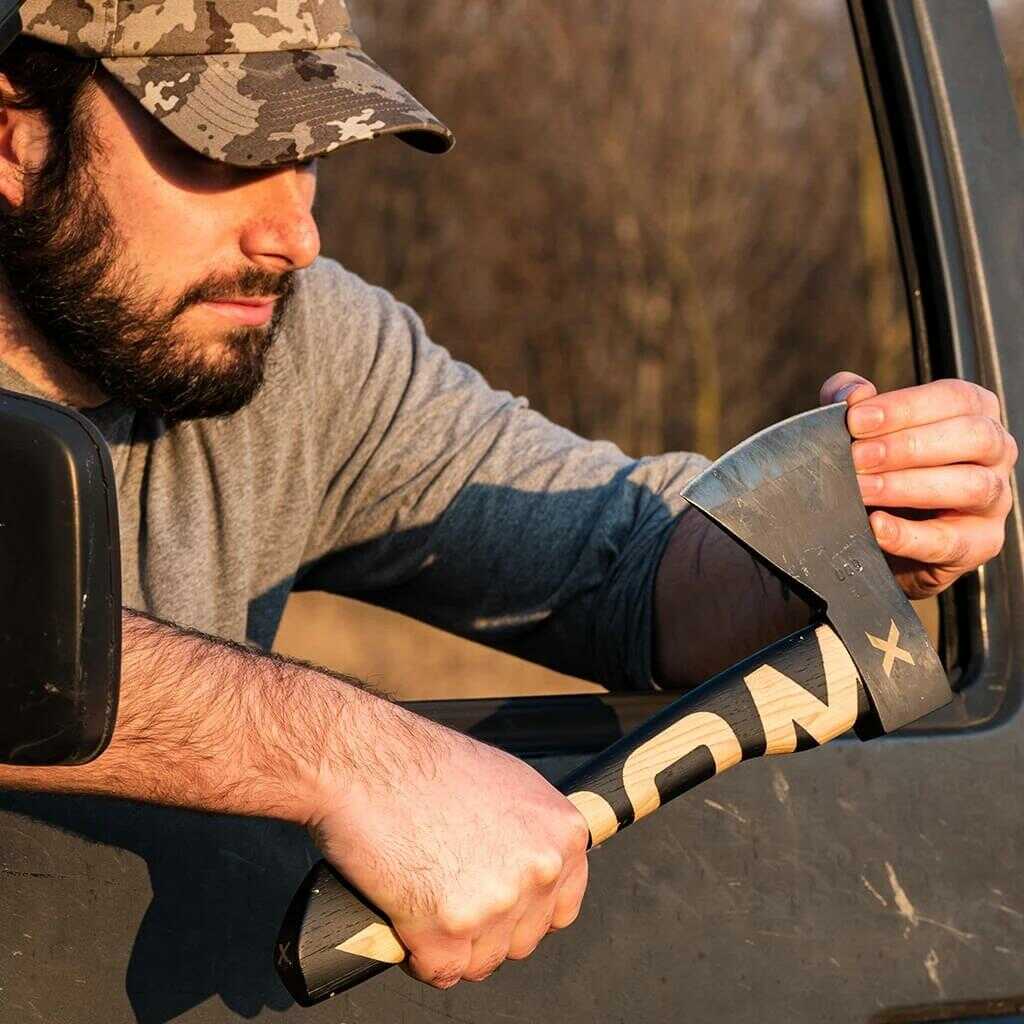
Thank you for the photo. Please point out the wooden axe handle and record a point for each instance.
(801, 692)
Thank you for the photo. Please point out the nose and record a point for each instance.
(280, 232)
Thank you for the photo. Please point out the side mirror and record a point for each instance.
(60, 586)
(10, 22)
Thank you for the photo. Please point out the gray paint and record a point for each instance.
(824, 887)
(837, 885)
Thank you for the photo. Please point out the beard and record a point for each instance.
(63, 262)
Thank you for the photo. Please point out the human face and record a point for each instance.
(159, 275)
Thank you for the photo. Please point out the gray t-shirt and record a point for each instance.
(374, 465)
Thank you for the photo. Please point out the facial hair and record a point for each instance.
(63, 263)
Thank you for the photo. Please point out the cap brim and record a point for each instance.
(262, 109)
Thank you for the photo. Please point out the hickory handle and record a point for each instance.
(331, 939)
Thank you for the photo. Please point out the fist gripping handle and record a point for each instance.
(801, 692)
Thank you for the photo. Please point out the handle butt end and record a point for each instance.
(310, 960)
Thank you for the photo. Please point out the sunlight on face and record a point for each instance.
(183, 217)
(159, 274)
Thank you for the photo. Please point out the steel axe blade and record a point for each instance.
(789, 494)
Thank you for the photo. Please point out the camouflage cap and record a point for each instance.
(247, 82)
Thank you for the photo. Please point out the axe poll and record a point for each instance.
(790, 495)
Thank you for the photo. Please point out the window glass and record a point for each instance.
(665, 224)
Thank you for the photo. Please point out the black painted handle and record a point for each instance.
(323, 913)
(798, 693)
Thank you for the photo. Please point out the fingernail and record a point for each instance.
(870, 485)
(868, 454)
(865, 418)
(846, 390)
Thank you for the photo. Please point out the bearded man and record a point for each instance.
(278, 424)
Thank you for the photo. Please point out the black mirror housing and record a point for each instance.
(60, 585)
(10, 22)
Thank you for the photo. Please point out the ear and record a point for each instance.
(23, 146)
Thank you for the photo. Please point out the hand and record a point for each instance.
(939, 456)
(472, 855)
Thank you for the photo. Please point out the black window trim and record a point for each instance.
(950, 144)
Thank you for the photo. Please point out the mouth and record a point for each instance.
(249, 311)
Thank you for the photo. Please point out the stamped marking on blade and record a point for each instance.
(375, 942)
(890, 649)
(282, 954)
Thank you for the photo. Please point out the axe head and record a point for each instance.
(790, 495)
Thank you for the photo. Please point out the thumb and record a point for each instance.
(846, 386)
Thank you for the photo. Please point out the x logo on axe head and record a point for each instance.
(891, 649)
(790, 495)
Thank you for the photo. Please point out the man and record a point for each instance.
(277, 424)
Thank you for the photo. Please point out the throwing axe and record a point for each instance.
(790, 495)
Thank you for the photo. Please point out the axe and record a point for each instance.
(790, 495)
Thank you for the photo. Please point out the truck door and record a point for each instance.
(878, 882)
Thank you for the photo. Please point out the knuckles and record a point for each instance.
(956, 548)
(976, 399)
(469, 916)
(1012, 449)
(546, 868)
(476, 922)
(485, 969)
(470, 919)
(438, 973)
(445, 980)
(577, 831)
(984, 488)
(989, 439)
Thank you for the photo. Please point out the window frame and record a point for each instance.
(950, 145)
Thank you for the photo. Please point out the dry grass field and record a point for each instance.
(407, 660)
(411, 661)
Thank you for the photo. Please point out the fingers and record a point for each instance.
(570, 897)
(962, 488)
(489, 953)
(939, 448)
(965, 439)
(531, 929)
(946, 544)
(441, 965)
(560, 912)
(927, 403)
(471, 945)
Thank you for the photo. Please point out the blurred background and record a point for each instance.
(664, 223)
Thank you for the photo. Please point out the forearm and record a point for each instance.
(714, 604)
(211, 725)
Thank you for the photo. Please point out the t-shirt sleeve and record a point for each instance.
(457, 504)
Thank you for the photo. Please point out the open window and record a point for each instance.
(704, 235)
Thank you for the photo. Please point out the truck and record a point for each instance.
(877, 883)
